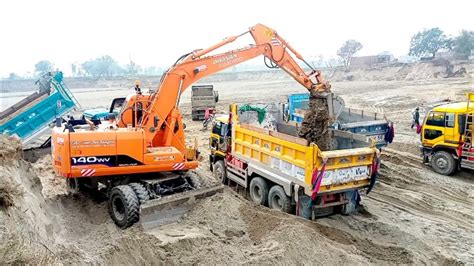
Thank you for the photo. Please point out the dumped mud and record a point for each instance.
(316, 122)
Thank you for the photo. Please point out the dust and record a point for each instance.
(316, 122)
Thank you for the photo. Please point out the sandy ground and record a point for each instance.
(413, 215)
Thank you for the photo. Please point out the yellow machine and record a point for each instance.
(279, 169)
(446, 136)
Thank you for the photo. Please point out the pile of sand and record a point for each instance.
(23, 223)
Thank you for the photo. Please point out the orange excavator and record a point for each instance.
(140, 157)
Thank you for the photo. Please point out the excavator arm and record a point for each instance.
(163, 108)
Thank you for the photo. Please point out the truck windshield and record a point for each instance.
(217, 129)
(435, 119)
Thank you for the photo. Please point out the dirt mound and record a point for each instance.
(436, 69)
(24, 225)
(10, 148)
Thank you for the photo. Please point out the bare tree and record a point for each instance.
(348, 49)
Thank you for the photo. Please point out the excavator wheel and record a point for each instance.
(76, 185)
(124, 206)
(141, 192)
(73, 186)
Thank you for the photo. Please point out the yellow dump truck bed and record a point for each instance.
(295, 159)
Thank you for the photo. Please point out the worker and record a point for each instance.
(138, 90)
(416, 119)
(390, 134)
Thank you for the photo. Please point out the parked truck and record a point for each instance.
(278, 168)
(370, 124)
(203, 97)
(446, 136)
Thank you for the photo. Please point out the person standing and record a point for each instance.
(390, 134)
(416, 118)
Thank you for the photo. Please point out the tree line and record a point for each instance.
(425, 43)
(104, 66)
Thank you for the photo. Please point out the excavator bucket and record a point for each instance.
(171, 208)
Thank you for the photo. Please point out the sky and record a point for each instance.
(156, 33)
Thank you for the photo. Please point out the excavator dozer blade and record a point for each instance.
(168, 209)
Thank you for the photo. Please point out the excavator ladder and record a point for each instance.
(467, 152)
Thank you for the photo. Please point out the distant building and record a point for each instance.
(370, 60)
(407, 59)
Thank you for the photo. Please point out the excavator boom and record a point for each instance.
(199, 64)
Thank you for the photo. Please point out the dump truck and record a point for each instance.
(279, 169)
(446, 137)
(370, 124)
(30, 119)
(203, 97)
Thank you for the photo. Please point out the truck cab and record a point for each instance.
(220, 137)
(446, 137)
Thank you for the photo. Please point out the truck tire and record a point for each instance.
(278, 200)
(259, 191)
(443, 163)
(141, 192)
(218, 169)
(124, 207)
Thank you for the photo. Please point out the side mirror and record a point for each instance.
(155, 121)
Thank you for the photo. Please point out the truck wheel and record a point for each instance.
(443, 163)
(124, 206)
(278, 200)
(219, 172)
(141, 192)
(259, 191)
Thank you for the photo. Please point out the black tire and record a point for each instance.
(73, 186)
(278, 200)
(218, 169)
(76, 185)
(259, 191)
(141, 192)
(443, 163)
(124, 207)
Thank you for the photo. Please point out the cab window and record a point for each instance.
(435, 119)
(450, 119)
(217, 128)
